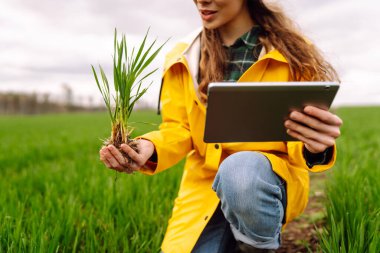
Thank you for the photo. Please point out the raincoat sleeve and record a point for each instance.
(297, 158)
(173, 140)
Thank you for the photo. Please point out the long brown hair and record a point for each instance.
(279, 32)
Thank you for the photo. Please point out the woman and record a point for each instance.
(234, 196)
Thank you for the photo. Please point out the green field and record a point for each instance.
(56, 196)
(353, 189)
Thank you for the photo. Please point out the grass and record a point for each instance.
(129, 75)
(353, 189)
(56, 196)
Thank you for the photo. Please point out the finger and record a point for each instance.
(315, 123)
(102, 152)
(311, 145)
(137, 159)
(118, 168)
(102, 157)
(107, 158)
(323, 115)
(117, 155)
(106, 162)
(119, 162)
(113, 162)
(310, 133)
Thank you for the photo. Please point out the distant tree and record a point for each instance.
(68, 96)
(33, 103)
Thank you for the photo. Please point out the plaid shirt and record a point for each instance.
(242, 54)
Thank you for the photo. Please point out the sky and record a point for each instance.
(47, 44)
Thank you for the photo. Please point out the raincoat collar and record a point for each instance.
(187, 52)
(188, 49)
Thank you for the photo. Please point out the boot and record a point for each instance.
(242, 247)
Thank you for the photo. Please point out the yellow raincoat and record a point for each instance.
(181, 134)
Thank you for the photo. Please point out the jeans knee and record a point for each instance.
(243, 171)
(251, 194)
(244, 178)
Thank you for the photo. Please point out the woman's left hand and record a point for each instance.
(316, 128)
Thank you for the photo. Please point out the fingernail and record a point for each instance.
(293, 114)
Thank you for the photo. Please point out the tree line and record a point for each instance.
(24, 103)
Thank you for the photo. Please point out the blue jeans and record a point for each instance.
(253, 200)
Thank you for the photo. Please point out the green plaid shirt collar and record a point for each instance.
(242, 54)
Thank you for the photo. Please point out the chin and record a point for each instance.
(210, 25)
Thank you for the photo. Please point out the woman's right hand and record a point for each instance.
(115, 160)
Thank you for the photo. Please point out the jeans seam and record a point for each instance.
(278, 229)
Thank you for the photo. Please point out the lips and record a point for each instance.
(207, 15)
(207, 12)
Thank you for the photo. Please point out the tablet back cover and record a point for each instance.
(255, 112)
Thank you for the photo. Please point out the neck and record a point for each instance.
(233, 30)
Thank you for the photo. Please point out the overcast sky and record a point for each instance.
(45, 43)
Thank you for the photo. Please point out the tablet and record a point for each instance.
(255, 112)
